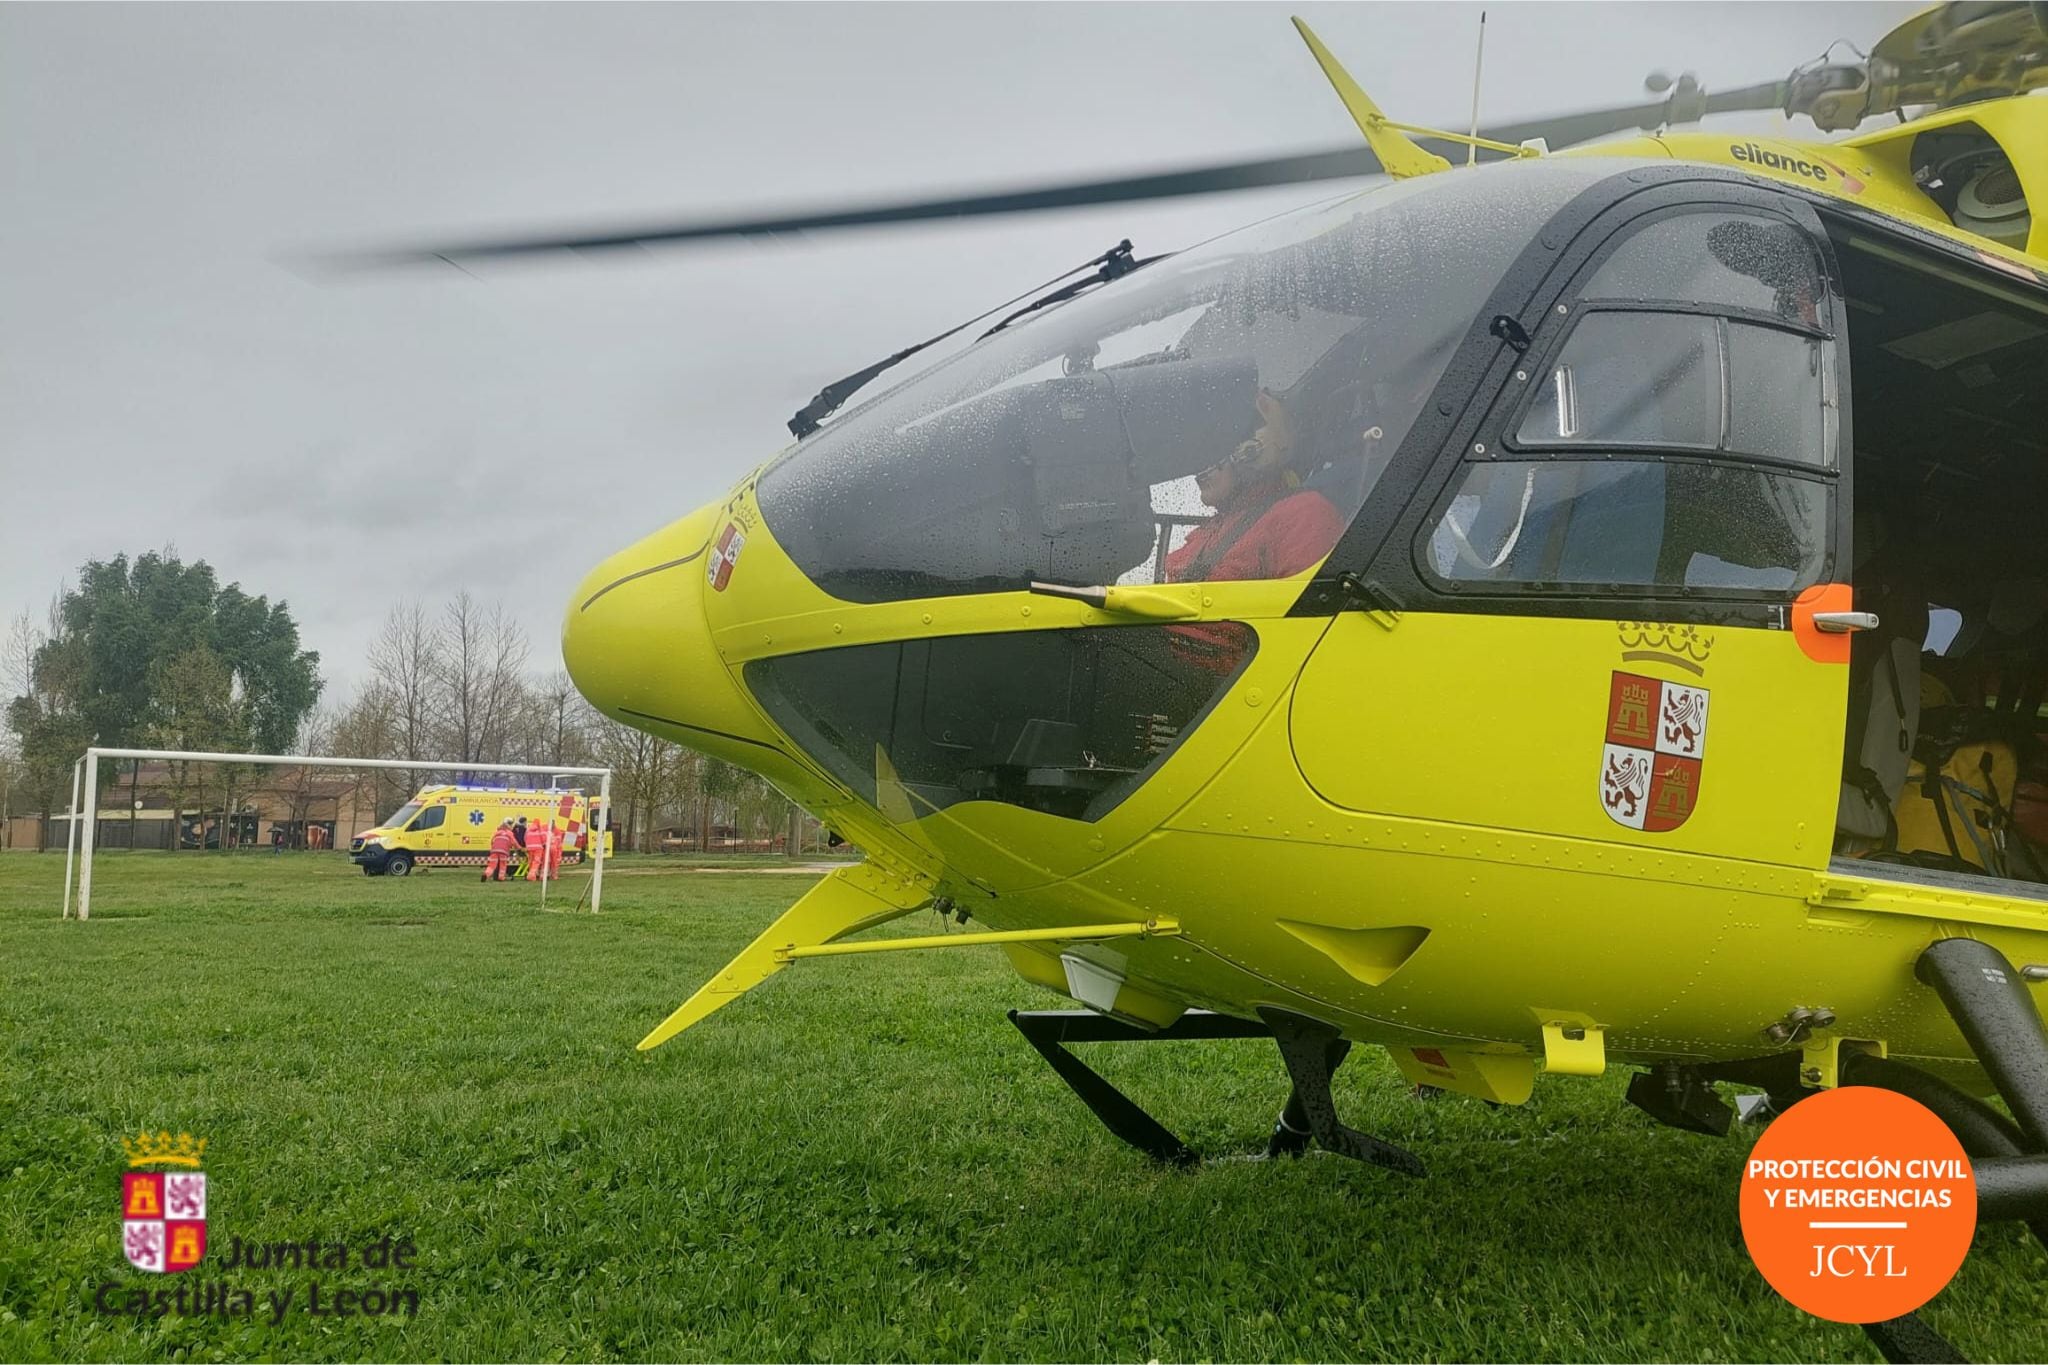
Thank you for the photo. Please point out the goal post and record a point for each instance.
(86, 774)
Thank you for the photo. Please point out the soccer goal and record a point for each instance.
(85, 779)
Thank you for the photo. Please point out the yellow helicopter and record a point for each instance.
(1572, 610)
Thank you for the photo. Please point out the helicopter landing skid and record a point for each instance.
(1312, 1051)
(1050, 1030)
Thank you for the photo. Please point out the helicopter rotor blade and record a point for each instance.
(1336, 164)
(1342, 163)
(1559, 131)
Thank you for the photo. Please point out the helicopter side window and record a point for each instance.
(1686, 381)
(1628, 523)
(1683, 436)
(1736, 260)
(1632, 378)
(1065, 722)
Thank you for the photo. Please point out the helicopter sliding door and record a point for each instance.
(1595, 620)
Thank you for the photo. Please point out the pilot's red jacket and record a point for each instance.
(1259, 536)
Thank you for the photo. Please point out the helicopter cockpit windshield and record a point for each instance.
(1271, 371)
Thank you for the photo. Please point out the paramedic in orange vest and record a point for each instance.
(554, 851)
(536, 850)
(501, 852)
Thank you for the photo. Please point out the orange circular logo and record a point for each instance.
(1858, 1204)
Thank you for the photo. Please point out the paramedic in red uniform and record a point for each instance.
(554, 834)
(1266, 525)
(501, 852)
(536, 850)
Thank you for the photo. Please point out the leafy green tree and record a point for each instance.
(125, 619)
(121, 647)
(193, 704)
(50, 741)
(43, 670)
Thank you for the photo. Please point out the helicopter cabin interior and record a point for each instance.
(1944, 765)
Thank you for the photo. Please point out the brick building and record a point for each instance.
(308, 807)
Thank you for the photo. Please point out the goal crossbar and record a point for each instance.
(85, 774)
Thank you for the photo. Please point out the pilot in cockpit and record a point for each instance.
(1266, 524)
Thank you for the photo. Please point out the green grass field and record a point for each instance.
(860, 1161)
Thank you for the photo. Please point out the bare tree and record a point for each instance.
(406, 666)
(480, 670)
(367, 728)
(17, 669)
(18, 654)
(643, 774)
(315, 736)
(558, 723)
(10, 778)
(45, 668)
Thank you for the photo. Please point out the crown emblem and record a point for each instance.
(145, 1150)
(1685, 646)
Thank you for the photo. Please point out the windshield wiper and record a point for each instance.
(1112, 264)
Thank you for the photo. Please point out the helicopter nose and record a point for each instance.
(637, 644)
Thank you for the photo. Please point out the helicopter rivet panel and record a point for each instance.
(1532, 917)
(1873, 899)
(1517, 910)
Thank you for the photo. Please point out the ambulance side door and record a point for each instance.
(429, 829)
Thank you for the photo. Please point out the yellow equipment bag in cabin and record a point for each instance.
(1964, 811)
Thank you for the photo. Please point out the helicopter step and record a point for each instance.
(1311, 1050)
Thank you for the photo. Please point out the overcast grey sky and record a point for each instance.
(340, 445)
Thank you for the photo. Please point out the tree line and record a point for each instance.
(155, 653)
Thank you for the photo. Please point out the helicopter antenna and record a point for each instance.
(1478, 69)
